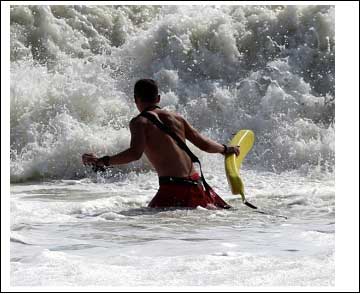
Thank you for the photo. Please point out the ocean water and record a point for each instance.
(266, 68)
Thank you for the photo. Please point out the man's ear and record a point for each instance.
(157, 99)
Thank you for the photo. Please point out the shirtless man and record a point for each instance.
(180, 184)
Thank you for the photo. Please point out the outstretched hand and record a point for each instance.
(92, 160)
(89, 159)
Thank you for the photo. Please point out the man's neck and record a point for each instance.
(149, 107)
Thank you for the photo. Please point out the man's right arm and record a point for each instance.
(206, 144)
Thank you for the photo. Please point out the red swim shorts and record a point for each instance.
(187, 195)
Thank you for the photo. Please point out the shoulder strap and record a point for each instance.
(177, 139)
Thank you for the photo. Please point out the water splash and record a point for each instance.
(266, 68)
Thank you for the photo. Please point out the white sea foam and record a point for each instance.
(102, 234)
(269, 69)
(65, 269)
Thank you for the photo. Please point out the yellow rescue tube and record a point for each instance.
(244, 139)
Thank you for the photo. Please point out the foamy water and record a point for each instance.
(269, 69)
(81, 233)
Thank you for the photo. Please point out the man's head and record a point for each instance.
(146, 92)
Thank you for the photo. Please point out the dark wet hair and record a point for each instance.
(146, 90)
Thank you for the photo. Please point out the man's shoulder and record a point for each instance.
(137, 120)
(172, 113)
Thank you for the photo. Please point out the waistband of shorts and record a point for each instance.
(192, 180)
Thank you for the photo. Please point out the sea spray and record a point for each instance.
(224, 68)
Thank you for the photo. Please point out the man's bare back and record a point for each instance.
(162, 151)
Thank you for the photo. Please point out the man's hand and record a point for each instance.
(91, 159)
(232, 150)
